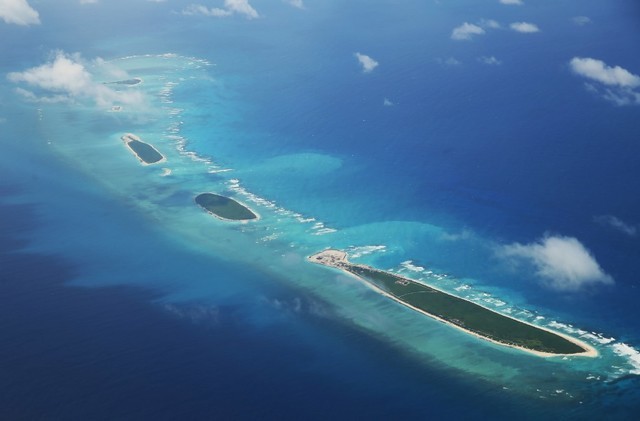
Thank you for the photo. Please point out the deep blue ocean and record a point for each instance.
(120, 299)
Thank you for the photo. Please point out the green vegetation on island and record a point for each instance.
(146, 153)
(457, 311)
(224, 207)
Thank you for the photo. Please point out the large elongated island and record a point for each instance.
(459, 312)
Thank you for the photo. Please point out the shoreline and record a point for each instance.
(342, 257)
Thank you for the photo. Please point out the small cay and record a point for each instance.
(224, 207)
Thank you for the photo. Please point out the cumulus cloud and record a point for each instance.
(367, 63)
(597, 70)
(240, 7)
(51, 99)
(489, 60)
(465, 234)
(198, 9)
(524, 27)
(295, 3)
(449, 61)
(466, 31)
(562, 263)
(581, 20)
(18, 12)
(616, 84)
(617, 224)
(512, 2)
(66, 78)
(64, 74)
(489, 24)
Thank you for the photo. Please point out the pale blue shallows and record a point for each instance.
(121, 298)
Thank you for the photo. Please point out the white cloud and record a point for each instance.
(449, 61)
(581, 20)
(295, 3)
(198, 9)
(388, 103)
(489, 60)
(621, 97)
(465, 234)
(51, 99)
(88, 1)
(512, 2)
(66, 78)
(367, 63)
(524, 27)
(617, 224)
(241, 7)
(18, 12)
(617, 84)
(489, 23)
(562, 263)
(64, 74)
(599, 71)
(466, 31)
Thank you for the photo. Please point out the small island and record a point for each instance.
(145, 153)
(127, 82)
(225, 208)
(459, 312)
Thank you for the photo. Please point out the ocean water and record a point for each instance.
(121, 299)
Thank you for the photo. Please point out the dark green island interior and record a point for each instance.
(147, 153)
(457, 311)
(224, 207)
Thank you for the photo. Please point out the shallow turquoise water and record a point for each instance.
(428, 187)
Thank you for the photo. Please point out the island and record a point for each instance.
(128, 82)
(459, 312)
(225, 208)
(145, 153)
